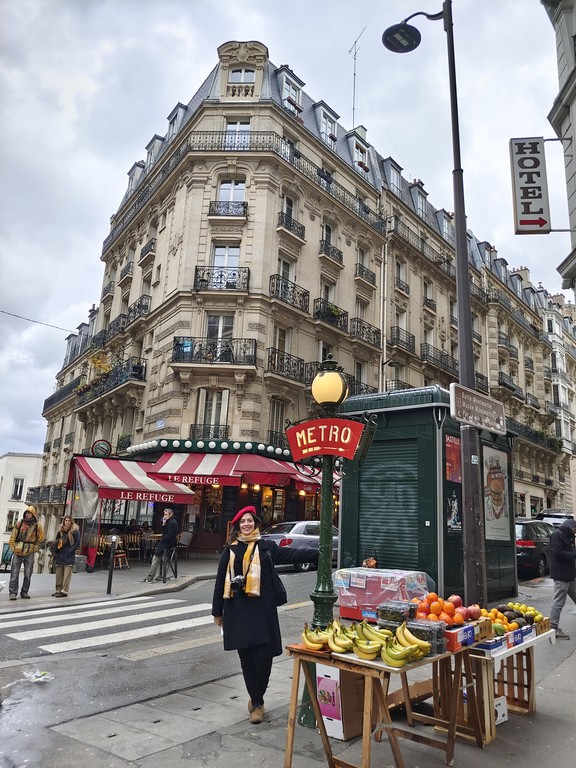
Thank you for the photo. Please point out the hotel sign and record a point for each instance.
(529, 187)
(321, 437)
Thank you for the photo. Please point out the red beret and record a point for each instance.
(237, 517)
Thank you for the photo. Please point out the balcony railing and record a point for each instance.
(278, 438)
(401, 285)
(396, 384)
(108, 289)
(99, 340)
(290, 293)
(150, 247)
(287, 222)
(133, 369)
(532, 400)
(514, 354)
(57, 494)
(228, 208)
(126, 270)
(33, 495)
(61, 394)
(538, 437)
(454, 321)
(123, 442)
(477, 337)
(116, 326)
(401, 338)
(69, 438)
(221, 278)
(528, 364)
(285, 365)
(551, 408)
(363, 330)
(365, 274)
(429, 304)
(211, 351)
(356, 387)
(481, 382)
(330, 313)
(56, 443)
(139, 308)
(439, 358)
(255, 141)
(209, 431)
(503, 340)
(504, 380)
(330, 250)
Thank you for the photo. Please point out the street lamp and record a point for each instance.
(403, 38)
(329, 389)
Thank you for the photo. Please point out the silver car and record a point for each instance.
(300, 533)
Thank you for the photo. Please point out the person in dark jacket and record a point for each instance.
(562, 564)
(244, 602)
(64, 550)
(166, 543)
(25, 540)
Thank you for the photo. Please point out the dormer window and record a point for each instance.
(291, 96)
(421, 204)
(242, 75)
(395, 180)
(360, 157)
(328, 129)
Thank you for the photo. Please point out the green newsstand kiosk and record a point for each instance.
(405, 499)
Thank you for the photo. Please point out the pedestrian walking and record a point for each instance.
(64, 550)
(166, 543)
(245, 599)
(25, 540)
(562, 565)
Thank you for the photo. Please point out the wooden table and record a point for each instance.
(447, 686)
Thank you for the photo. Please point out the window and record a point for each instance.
(11, 518)
(361, 257)
(172, 126)
(327, 128)
(421, 204)
(326, 291)
(429, 336)
(162, 222)
(360, 309)
(288, 207)
(327, 233)
(400, 268)
(359, 371)
(327, 349)
(277, 416)
(232, 190)
(400, 319)
(395, 180)
(17, 488)
(281, 339)
(550, 325)
(447, 229)
(242, 75)
(284, 268)
(427, 289)
(225, 259)
(215, 407)
(291, 95)
(237, 134)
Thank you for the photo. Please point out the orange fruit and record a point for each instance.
(432, 617)
(436, 608)
(431, 597)
(449, 608)
(424, 607)
(457, 618)
(421, 615)
(446, 619)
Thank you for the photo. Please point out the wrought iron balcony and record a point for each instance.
(290, 293)
(481, 382)
(291, 225)
(209, 432)
(366, 332)
(116, 326)
(139, 308)
(148, 250)
(44, 494)
(454, 321)
(439, 358)
(228, 208)
(514, 354)
(356, 387)
(365, 274)
(61, 394)
(395, 384)
(551, 408)
(69, 438)
(33, 495)
(108, 289)
(57, 494)
(429, 304)
(278, 438)
(56, 443)
(529, 364)
(123, 442)
(285, 365)
(330, 250)
(127, 270)
(401, 338)
(330, 313)
(535, 436)
(503, 340)
(133, 369)
(477, 337)
(532, 400)
(505, 380)
(401, 285)
(478, 293)
(221, 278)
(210, 351)
(99, 340)
(547, 373)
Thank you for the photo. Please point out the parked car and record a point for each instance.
(532, 543)
(300, 533)
(555, 516)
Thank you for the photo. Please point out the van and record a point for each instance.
(555, 516)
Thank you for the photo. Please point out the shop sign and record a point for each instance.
(319, 437)
(530, 187)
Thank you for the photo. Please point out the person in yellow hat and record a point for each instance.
(25, 540)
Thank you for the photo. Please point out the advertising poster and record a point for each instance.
(453, 485)
(496, 511)
(453, 507)
(453, 459)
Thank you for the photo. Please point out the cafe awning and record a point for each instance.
(129, 480)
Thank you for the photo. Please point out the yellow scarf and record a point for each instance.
(250, 566)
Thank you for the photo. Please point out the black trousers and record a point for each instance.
(256, 666)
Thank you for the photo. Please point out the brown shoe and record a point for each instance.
(257, 714)
(250, 706)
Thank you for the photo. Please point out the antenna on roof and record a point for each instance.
(355, 49)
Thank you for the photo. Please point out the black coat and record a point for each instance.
(66, 555)
(253, 621)
(561, 554)
(169, 536)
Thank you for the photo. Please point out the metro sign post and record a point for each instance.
(530, 187)
(318, 437)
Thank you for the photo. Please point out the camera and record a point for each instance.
(237, 583)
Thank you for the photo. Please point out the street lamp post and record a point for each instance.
(403, 38)
(329, 389)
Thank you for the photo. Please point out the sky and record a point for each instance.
(86, 84)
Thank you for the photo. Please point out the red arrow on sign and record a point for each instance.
(540, 222)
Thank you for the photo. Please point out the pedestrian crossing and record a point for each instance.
(85, 626)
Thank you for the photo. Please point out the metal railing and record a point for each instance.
(365, 274)
(290, 293)
(209, 431)
(116, 326)
(108, 289)
(439, 358)
(401, 285)
(285, 365)
(221, 278)
(330, 250)
(363, 330)
(61, 394)
(123, 442)
(211, 351)
(69, 438)
(356, 387)
(330, 313)
(228, 208)
(401, 338)
(550, 408)
(33, 495)
(481, 382)
(278, 438)
(139, 308)
(126, 270)
(429, 303)
(532, 400)
(503, 340)
(150, 247)
(287, 222)
(505, 380)
(133, 369)
(528, 364)
(396, 384)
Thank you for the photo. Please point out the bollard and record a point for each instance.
(111, 563)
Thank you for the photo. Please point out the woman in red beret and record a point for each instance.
(244, 602)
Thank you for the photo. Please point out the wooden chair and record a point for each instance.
(132, 544)
(185, 542)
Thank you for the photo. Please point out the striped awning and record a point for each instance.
(129, 480)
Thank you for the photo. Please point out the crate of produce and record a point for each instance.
(482, 629)
(542, 626)
(396, 610)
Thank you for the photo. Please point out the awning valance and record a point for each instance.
(129, 480)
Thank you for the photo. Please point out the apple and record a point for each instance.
(463, 611)
(456, 600)
(474, 612)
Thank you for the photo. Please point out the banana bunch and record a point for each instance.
(314, 639)
(367, 649)
(368, 632)
(406, 639)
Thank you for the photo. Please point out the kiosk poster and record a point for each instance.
(453, 484)
(453, 507)
(496, 512)
(453, 459)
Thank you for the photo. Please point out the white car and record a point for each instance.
(300, 533)
(555, 516)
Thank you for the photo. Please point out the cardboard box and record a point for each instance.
(500, 710)
(340, 696)
(482, 629)
(542, 626)
(456, 638)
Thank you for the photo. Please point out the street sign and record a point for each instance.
(530, 187)
(318, 437)
(470, 407)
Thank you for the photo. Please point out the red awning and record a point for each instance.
(118, 479)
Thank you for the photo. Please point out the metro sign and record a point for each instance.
(320, 437)
(530, 187)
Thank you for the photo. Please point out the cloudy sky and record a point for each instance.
(86, 84)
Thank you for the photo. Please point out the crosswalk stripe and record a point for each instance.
(134, 634)
(35, 634)
(66, 608)
(96, 611)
